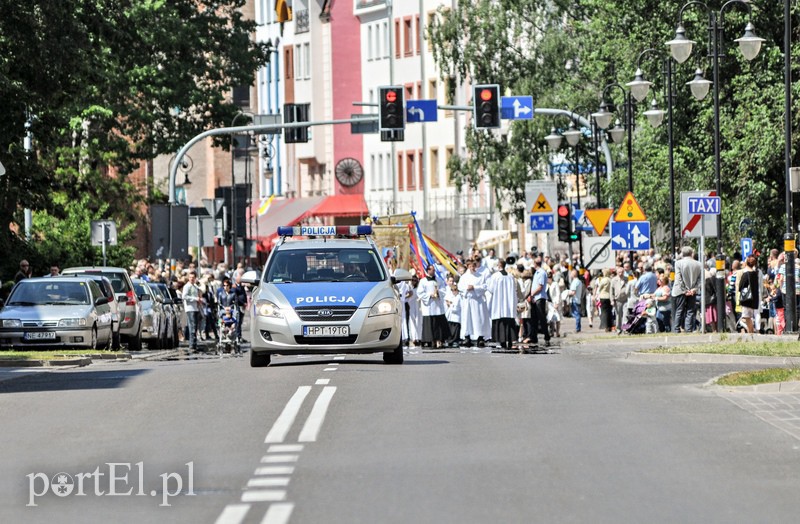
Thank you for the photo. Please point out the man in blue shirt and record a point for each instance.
(648, 282)
(539, 301)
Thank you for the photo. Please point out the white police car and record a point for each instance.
(325, 293)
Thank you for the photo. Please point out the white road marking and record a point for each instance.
(275, 470)
(233, 514)
(330, 369)
(272, 459)
(278, 513)
(338, 358)
(317, 416)
(323, 382)
(286, 418)
(268, 482)
(264, 495)
(285, 448)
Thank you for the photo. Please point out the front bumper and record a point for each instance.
(63, 338)
(285, 335)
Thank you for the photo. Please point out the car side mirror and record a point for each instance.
(100, 301)
(401, 275)
(144, 297)
(251, 277)
(122, 299)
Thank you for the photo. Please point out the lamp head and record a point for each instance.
(603, 116)
(699, 85)
(616, 133)
(572, 135)
(639, 86)
(749, 44)
(654, 115)
(553, 140)
(680, 47)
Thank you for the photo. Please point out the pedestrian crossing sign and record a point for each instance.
(630, 210)
(541, 205)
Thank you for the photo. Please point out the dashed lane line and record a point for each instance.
(274, 470)
(272, 459)
(278, 513)
(317, 417)
(233, 514)
(281, 427)
(264, 495)
(268, 482)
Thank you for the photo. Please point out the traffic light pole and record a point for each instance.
(248, 130)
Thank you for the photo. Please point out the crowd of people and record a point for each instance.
(525, 299)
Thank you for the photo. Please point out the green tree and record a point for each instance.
(104, 86)
(566, 52)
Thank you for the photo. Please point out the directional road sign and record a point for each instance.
(541, 222)
(704, 205)
(421, 111)
(630, 236)
(516, 107)
(693, 224)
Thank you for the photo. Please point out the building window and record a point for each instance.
(448, 152)
(387, 47)
(409, 91)
(408, 47)
(411, 171)
(419, 90)
(288, 62)
(298, 62)
(449, 94)
(421, 183)
(419, 34)
(397, 37)
(369, 43)
(433, 167)
(433, 87)
(241, 96)
(306, 61)
(400, 185)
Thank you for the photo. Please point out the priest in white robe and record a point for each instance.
(432, 309)
(475, 322)
(452, 304)
(505, 296)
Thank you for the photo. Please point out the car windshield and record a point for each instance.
(325, 264)
(37, 293)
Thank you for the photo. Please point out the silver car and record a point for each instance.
(325, 295)
(56, 312)
(154, 321)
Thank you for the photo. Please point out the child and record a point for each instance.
(651, 326)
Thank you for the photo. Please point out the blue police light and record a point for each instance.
(329, 231)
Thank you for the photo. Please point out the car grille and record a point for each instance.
(39, 323)
(320, 313)
(322, 341)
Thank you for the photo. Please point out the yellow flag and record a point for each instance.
(265, 205)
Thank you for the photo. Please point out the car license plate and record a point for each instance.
(40, 335)
(326, 331)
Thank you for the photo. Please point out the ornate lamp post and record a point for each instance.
(681, 49)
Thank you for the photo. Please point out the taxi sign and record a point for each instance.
(630, 210)
(541, 205)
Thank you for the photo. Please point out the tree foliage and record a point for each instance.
(104, 86)
(566, 53)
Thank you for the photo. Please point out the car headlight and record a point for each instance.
(71, 322)
(386, 306)
(265, 308)
(12, 323)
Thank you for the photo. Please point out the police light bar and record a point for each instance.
(329, 231)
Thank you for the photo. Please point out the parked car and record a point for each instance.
(130, 308)
(171, 312)
(56, 312)
(108, 291)
(154, 322)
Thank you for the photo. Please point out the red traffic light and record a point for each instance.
(486, 94)
(391, 96)
(563, 211)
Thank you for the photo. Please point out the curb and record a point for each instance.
(710, 358)
(77, 361)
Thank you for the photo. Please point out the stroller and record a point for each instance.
(227, 320)
(636, 320)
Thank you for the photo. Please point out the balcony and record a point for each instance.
(301, 22)
(364, 7)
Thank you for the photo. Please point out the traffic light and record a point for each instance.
(486, 106)
(391, 108)
(295, 113)
(564, 223)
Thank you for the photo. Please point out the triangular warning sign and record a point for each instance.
(599, 219)
(541, 205)
(630, 210)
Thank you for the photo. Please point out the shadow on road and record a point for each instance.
(377, 362)
(59, 381)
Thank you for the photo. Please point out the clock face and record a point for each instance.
(349, 172)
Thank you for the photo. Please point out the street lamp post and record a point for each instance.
(234, 211)
(788, 238)
(681, 49)
(639, 89)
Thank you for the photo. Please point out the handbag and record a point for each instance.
(745, 294)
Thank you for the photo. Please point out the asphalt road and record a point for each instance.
(582, 435)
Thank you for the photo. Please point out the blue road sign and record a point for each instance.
(704, 205)
(630, 236)
(747, 247)
(542, 222)
(581, 222)
(421, 111)
(516, 107)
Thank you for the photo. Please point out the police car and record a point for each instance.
(326, 292)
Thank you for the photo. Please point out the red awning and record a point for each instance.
(342, 206)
